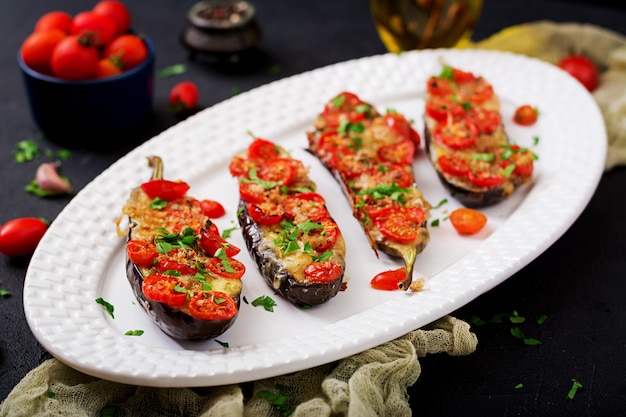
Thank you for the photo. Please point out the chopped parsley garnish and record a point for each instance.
(347, 126)
(575, 387)
(107, 306)
(158, 204)
(227, 232)
(221, 255)
(255, 179)
(5, 293)
(441, 203)
(279, 401)
(434, 223)
(134, 333)
(176, 69)
(26, 150)
(339, 100)
(245, 300)
(516, 318)
(50, 394)
(508, 170)
(323, 257)
(222, 344)
(386, 190)
(536, 140)
(518, 386)
(264, 301)
(517, 332)
(483, 157)
(542, 319)
(446, 72)
(166, 241)
(275, 69)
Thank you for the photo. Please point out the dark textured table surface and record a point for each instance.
(579, 282)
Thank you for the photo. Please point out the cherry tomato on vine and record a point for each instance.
(212, 306)
(75, 58)
(129, 50)
(184, 97)
(467, 221)
(117, 12)
(54, 20)
(525, 115)
(101, 28)
(141, 253)
(212, 209)
(581, 68)
(37, 49)
(20, 237)
(388, 280)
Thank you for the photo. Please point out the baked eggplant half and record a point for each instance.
(180, 269)
(297, 245)
(371, 156)
(466, 141)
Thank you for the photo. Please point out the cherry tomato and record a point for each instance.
(240, 166)
(130, 51)
(102, 28)
(281, 170)
(54, 20)
(442, 108)
(75, 59)
(165, 189)
(325, 238)
(37, 49)
(262, 149)
(141, 253)
(305, 206)
(485, 179)
(438, 86)
(322, 272)
(475, 91)
(345, 106)
(467, 221)
(107, 68)
(160, 288)
(20, 237)
(453, 165)
(461, 76)
(117, 12)
(487, 121)
(457, 134)
(211, 241)
(251, 192)
(333, 148)
(388, 280)
(581, 68)
(400, 152)
(212, 209)
(231, 269)
(266, 213)
(212, 306)
(400, 223)
(525, 115)
(393, 174)
(165, 265)
(402, 127)
(350, 164)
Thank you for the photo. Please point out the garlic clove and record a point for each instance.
(48, 179)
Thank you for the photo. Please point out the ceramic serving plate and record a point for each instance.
(81, 257)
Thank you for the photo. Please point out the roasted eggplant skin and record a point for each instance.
(173, 322)
(275, 272)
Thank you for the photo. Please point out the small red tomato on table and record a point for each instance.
(20, 237)
(468, 221)
(526, 115)
(581, 68)
(184, 97)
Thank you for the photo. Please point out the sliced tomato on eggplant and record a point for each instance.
(181, 271)
(467, 143)
(289, 233)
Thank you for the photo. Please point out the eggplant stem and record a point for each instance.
(156, 164)
(409, 254)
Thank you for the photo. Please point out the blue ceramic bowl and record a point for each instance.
(92, 113)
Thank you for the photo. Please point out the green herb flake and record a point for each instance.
(441, 203)
(323, 257)
(222, 344)
(508, 170)
(50, 394)
(279, 401)
(64, 154)
(339, 100)
(234, 90)
(575, 387)
(447, 72)
(536, 140)
(518, 386)
(158, 204)
(516, 318)
(542, 319)
(172, 70)
(245, 300)
(133, 333)
(26, 150)
(109, 411)
(275, 69)
(434, 223)
(5, 293)
(266, 302)
(488, 157)
(227, 232)
(107, 306)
